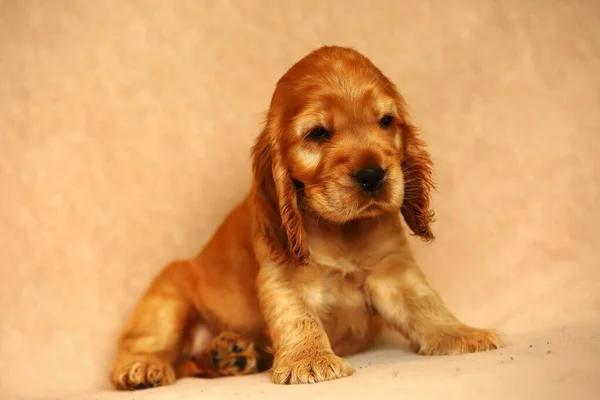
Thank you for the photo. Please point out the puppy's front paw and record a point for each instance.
(141, 372)
(310, 367)
(458, 339)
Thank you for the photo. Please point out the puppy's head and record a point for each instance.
(338, 144)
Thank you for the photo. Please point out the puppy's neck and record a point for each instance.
(356, 229)
(356, 245)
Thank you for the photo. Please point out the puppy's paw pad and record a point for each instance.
(312, 368)
(460, 340)
(232, 354)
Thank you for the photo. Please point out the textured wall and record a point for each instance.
(125, 129)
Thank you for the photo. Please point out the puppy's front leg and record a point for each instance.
(302, 352)
(401, 294)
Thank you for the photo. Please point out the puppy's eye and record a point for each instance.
(386, 121)
(318, 133)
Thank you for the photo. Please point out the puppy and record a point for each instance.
(314, 262)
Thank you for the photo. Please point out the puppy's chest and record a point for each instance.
(334, 284)
(335, 292)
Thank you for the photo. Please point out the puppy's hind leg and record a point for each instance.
(153, 337)
(227, 354)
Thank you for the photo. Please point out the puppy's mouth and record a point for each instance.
(343, 201)
(371, 207)
(375, 207)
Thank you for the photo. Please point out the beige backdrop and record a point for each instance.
(125, 129)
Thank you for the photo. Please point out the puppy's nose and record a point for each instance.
(240, 363)
(370, 179)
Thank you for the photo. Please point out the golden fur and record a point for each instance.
(309, 263)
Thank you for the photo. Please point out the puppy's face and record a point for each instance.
(342, 137)
(337, 144)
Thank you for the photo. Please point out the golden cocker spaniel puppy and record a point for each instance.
(314, 262)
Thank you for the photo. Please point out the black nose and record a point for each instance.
(370, 178)
(240, 363)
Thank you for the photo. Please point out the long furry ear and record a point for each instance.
(276, 206)
(417, 169)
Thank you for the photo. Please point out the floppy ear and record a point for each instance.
(417, 170)
(275, 202)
